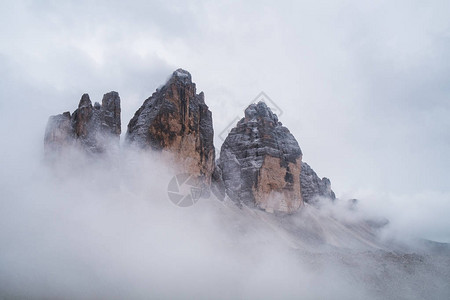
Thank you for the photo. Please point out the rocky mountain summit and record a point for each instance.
(261, 162)
(176, 121)
(93, 128)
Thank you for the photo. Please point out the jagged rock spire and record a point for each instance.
(91, 128)
(261, 162)
(175, 119)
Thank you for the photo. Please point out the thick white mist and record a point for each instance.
(105, 228)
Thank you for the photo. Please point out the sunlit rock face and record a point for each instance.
(261, 162)
(314, 188)
(176, 121)
(92, 128)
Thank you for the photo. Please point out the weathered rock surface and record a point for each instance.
(92, 128)
(217, 184)
(313, 187)
(260, 162)
(176, 121)
(58, 133)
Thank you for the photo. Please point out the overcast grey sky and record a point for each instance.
(363, 85)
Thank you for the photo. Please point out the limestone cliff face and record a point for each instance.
(260, 162)
(92, 128)
(176, 121)
(313, 187)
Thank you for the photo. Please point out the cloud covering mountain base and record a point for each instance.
(104, 228)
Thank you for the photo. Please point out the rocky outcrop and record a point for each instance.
(58, 133)
(260, 162)
(92, 128)
(176, 121)
(313, 187)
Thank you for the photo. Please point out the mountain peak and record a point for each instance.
(261, 162)
(85, 101)
(260, 110)
(177, 120)
(181, 75)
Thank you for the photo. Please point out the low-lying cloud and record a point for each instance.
(104, 228)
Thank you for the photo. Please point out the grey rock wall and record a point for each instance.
(91, 127)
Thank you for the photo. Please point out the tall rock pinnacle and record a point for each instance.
(175, 119)
(92, 128)
(261, 162)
